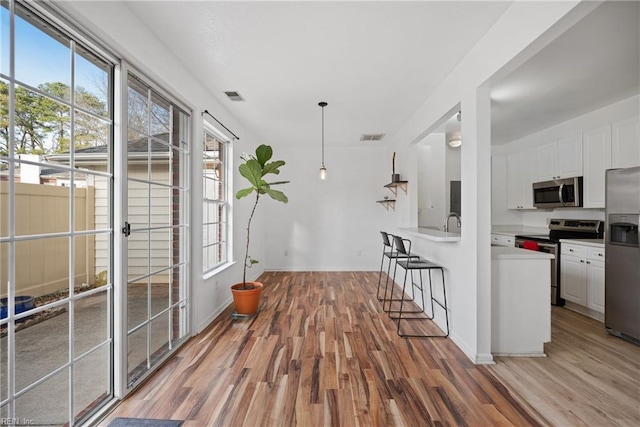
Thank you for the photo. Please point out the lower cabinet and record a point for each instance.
(582, 276)
(503, 240)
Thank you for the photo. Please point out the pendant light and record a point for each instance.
(323, 170)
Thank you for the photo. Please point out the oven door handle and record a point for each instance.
(560, 193)
(548, 246)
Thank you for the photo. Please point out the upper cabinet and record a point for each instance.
(597, 159)
(625, 143)
(561, 159)
(519, 180)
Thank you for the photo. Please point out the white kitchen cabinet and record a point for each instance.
(519, 180)
(597, 159)
(573, 281)
(560, 159)
(582, 277)
(595, 285)
(625, 143)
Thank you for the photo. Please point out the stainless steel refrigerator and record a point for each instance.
(622, 254)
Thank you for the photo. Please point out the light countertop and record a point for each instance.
(431, 234)
(513, 230)
(505, 252)
(598, 243)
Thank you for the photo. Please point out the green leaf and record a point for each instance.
(272, 167)
(252, 171)
(277, 195)
(263, 154)
(244, 192)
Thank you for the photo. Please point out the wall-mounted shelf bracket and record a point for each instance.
(388, 204)
(393, 187)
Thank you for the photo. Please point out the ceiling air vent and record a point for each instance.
(234, 96)
(371, 136)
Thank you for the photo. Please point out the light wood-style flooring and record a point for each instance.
(321, 352)
(589, 378)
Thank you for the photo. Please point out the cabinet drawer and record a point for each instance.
(596, 254)
(575, 250)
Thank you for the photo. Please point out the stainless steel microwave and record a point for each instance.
(559, 193)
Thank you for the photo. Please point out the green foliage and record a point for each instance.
(43, 125)
(254, 169)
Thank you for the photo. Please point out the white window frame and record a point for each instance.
(210, 270)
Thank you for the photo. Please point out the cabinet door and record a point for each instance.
(573, 284)
(526, 179)
(625, 144)
(595, 285)
(514, 177)
(597, 159)
(545, 163)
(569, 157)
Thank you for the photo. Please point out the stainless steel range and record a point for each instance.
(550, 243)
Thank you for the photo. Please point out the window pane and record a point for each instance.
(48, 403)
(90, 322)
(3, 362)
(137, 309)
(160, 115)
(137, 106)
(160, 291)
(42, 125)
(91, 136)
(138, 204)
(138, 254)
(4, 38)
(91, 381)
(4, 121)
(87, 275)
(41, 208)
(42, 266)
(137, 357)
(4, 200)
(159, 336)
(161, 250)
(93, 81)
(42, 54)
(42, 347)
(4, 272)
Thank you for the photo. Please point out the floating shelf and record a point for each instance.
(393, 187)
(388, 204)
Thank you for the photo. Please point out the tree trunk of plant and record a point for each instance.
(246, 252)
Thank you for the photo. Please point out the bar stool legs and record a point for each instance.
(409, 265)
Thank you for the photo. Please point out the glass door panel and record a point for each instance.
(157, 214)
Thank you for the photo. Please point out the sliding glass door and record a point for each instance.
(156, 229)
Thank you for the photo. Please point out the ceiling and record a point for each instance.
(376, 63)
(593, 64)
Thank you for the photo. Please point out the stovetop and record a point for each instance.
(568, 229)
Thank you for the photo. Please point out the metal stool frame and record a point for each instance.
(391, 255)
(411, 264)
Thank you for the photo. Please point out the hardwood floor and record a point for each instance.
(589, 378)
(321, 352)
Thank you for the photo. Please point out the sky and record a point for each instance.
(40, 58)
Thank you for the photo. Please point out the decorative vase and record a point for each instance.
(246, 301)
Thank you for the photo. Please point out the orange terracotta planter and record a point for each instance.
(246, 301)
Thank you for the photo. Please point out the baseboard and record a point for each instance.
(213, 315)
(477, 359)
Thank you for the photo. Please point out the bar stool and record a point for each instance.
(411, 264)
(388, 252)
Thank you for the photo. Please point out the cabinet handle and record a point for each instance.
(582, 261)
(588, 262)
(570, 250)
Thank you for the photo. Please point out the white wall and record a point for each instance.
(627, 108)
(330, 225)
(518, 34)
(431, 180)
(118, 28)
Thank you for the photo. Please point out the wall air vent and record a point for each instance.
(234, 96)
(371, 136)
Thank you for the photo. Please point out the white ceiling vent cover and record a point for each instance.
(372, 136)
(234, 96)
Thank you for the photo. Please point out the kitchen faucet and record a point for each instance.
(446, 224)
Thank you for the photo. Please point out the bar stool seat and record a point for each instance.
(411, 264)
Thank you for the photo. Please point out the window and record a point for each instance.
(215, 199)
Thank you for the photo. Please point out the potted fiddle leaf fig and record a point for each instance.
(254, 168)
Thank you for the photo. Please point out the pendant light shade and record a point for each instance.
(323, 169)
